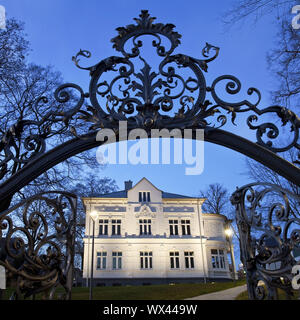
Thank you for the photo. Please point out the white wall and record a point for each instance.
(130, 243)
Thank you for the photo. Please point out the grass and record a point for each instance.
(150, 292)
(281, 295)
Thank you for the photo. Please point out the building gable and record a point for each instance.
(144, 185)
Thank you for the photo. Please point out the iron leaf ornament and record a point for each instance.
(144, 25)
(127, 87)
(146, 95)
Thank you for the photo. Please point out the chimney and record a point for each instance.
(128, 184)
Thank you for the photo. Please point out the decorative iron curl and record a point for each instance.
(268, 220)
(39, 254)
(233, 87)
(268, 129)
(175, 94)
(26, 139)
(142, 96)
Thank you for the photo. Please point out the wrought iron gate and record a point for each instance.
(268, 220)
(38, 242)
(172, 95)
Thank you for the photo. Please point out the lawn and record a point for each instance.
(150, 292)
(281, 295)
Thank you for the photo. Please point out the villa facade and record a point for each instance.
(143, 235)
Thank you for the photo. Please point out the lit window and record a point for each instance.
(117, 260)
(144, 196)
(217, 259)
(173, 224)
(186, 227)
(116, 227)
(146, 260)
(174, 260)
(189, 260)
(101, 260)
(145, 226)
(103, 227)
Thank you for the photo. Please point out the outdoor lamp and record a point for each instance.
(228, 232)
(94, 215)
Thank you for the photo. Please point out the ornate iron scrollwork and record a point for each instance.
(268, 220)
(37, 250)
(173, 96)
(143, 95)
(27, 139)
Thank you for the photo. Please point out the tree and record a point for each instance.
(258, 172)
(217, 199)
(23, 88)
(13, 47)
(256, 9)
(94, 186)
(284, 60)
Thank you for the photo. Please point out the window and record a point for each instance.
(173, 224)
(186, 227)
(174, 260)
(189, 260)
(101, 260)
(103, 227)
(145, 226)
(117, 260)
(222, 259)
(217, 259)
(146, 260)
(116, 227)
(144, 196)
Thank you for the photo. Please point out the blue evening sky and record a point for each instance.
(57, 29)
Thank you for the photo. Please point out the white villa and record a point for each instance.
(143, 235)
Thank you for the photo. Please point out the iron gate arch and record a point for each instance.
(148, 100)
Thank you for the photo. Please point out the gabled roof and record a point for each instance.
(175, 196)
(148, 182)
(123, 193)
(116, 194)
